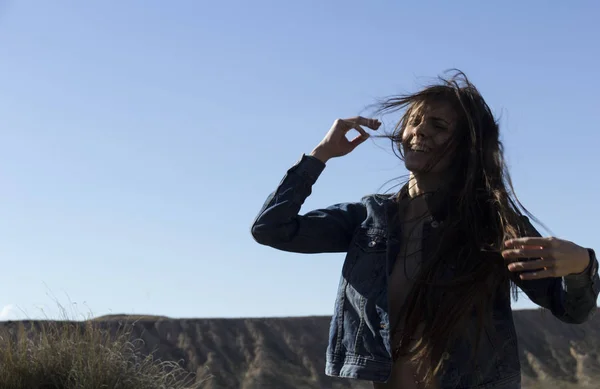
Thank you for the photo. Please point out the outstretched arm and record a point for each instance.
(561, 276)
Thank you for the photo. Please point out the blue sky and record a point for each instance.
(139, 139)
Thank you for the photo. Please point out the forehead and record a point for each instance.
(439, 109)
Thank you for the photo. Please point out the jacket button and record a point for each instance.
(372, 243)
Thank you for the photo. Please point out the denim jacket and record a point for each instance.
(359, 335)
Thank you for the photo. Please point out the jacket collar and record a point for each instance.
(438, 202)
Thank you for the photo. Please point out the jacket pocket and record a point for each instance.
(366, 259)
(370, 240)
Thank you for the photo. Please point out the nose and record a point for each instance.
(420, 130)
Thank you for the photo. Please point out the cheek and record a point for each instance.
(405, 136)
(402, 140)
(440, 140)
(445, 162)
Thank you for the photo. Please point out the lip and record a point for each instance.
(425, 149)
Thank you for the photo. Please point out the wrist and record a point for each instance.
(320, 155)
(586, 260)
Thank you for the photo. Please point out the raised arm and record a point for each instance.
(279, 224)
(324, 230)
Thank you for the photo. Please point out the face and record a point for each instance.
(428, 128)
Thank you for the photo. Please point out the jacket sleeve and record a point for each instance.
(280, 226)
(572, 298)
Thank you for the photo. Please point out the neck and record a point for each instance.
(421, 183)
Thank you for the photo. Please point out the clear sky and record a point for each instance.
(139, 139)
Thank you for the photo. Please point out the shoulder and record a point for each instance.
(370, 210)
(377, 204)
(377, 199)
(376, 211)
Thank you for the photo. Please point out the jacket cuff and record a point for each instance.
(587, 277)
(309, 168)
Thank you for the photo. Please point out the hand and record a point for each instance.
(554, 257)
(335, 143)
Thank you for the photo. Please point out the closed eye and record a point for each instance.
(440, 123)
(415, 120)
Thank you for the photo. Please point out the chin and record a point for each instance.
(414, 168)
(417, 164)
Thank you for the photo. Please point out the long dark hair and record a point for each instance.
(482, 212)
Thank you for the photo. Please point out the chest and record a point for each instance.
(410, 243)
(382, 264)
(406, 267)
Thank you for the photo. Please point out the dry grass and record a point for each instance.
(80, 355)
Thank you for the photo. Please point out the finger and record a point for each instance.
(539, 264)
(361, 130)
(537, 275)
(373, 124)
(360, 138)
(530, 252)
(529, 241)
(349, 125)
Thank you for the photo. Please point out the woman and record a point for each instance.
(424, 297)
